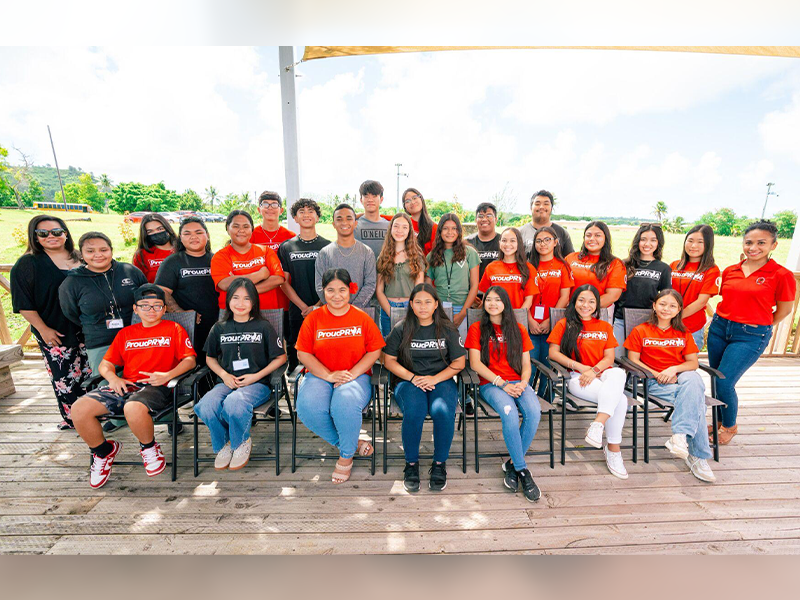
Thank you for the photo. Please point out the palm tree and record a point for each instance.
(660, 210)
(105, 186)
(212, 195)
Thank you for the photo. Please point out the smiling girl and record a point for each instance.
(596, 265)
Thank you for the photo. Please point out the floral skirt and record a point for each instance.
(68, 368)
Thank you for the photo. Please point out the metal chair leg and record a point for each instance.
(475, 419)
(174, 433)
(277, 436)
(552, 441)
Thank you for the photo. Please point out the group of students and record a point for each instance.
(80, 304)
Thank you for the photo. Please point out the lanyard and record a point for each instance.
(449, 276)
(112, 304)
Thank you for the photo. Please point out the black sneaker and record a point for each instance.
(271, 412)
(438, 473)
(180, 428)
(530, 490)
(411, 477)
(511, 480)
(469, 408)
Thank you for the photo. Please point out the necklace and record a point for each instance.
(339, 248)
(271, 240)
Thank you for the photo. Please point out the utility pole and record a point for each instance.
(60, 183)
(399, 174)
(291, 152)
(769, 193)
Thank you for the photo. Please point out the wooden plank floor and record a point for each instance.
(47, 506)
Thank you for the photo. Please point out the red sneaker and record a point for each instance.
(154, 461)
(101, 467)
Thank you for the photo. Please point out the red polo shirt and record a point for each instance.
(752, 299)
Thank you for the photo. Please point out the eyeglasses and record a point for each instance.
(43, 233)
(543, 241)
(270, 205)
(484, 217)
(150, 307)
(412, 198)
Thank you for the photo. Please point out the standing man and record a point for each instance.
(298, 259)
(350, 254)
(486, 241)
(371, 227)
(541, 209)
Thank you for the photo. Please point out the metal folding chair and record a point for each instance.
(637, 316)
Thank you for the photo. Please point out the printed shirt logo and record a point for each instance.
(328, 334)
(373, 234)
(761, 280)
(593, 335)
(310, 255)
(188, 343)
(549, 274)
(154, 262)
(245, 337)
(576, 264)
(196, 272)
(662, 343)
(487, 254)
(506, 279)
(258, 261)
(126, 281)
(689, 275)
(647, 274)
(439, 344)
(145, 344)
(280, 342)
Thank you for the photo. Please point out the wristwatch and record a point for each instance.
(596, 370)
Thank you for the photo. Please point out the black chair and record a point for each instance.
(378, 380)
(183, 391)
(279, 388)
(397, 316)
(472, 381)
(637, 316)
(571, 404)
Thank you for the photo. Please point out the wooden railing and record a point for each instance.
(26, 340)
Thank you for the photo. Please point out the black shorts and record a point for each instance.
(155, 398)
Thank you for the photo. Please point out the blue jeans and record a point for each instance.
(689, 399)
(699, 338)
(518, 437)
(733, 348)
(540, 352)
(462, 329)
(386, 320)
(440, 403)
(229, 413)
(334, 414)
(619, 335)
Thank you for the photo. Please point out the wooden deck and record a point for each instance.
(47, 506)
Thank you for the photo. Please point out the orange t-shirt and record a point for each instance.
(597, 337)
(553, 276)
(581, 273)
(690, 284)
(660, 349)
(153, 349)
(508, 277)
(498, 361)
(227, 262)
(148, 262)
(339, 342)
(429, 246)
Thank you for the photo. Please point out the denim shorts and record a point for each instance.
(155, 398)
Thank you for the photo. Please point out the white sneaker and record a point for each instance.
(677, 445)
(223, 458)
(615, 464)
(241, 455)
(700, 469)
(594, 436)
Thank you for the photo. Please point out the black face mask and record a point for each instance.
(158, 239)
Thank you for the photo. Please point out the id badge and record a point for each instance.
(114, 324)
(240, 364)
(538, 312)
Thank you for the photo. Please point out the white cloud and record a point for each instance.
(780, 130)
(754, 177)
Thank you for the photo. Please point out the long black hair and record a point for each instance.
(519, 256)
(150, 218)
(677, 321)
(425, 223)
(34, 247)
(535, 257)
(509, 329)
(600, 268)
(574, 324)
(436, 257)
(250, 288)
(179, 247)
(411, 324)
(634, 260)
(707, 260)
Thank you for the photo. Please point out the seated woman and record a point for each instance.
(337, 344)
(584, 344)
(425, 353)
(242, 349)
(664, 346)
(498, 353)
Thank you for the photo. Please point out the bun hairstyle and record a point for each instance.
(763, 225)
(336, 274)
(574, 323)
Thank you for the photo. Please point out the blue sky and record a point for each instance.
(609, 133)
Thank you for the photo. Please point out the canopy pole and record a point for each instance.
(291, 155)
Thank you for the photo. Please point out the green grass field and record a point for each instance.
(726, 252)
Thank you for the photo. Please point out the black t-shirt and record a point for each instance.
(429, 355)
(254, 341)
(298, 258)
(643, 286)
(488, 251)
(189, 278)
(34, 286)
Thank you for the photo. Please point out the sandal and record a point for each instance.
(341, 473)
(726, 434)
(365, 448)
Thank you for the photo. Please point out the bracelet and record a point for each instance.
(494, 381)
(412, 379)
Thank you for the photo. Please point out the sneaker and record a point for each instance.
(700, 469)
(271, 412)
(594, 436)
(241, 456)
(411, 477)
(677, 445)
(469, 408)
(511, 480)
(615, 464)
(180, 429)
(438, 480)
(101, 467)
(154, 461)
(223, 457)
(530, 490)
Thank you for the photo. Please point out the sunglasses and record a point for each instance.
(43, 233)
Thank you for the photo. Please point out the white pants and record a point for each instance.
(607, 391)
